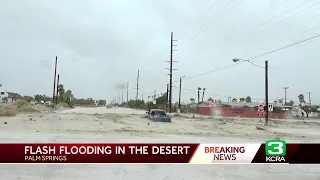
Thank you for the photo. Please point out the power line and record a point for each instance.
(212, 17)
(265, 28)
(252, 15)
(260, 25)
(285, 19)
(218, 69)
(290, 45)
(255, 57)
(216, 18)
(224, 96)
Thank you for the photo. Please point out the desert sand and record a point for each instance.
(128, 125)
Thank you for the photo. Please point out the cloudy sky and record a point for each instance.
(101, 44)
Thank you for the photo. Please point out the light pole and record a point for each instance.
(180, 92)
(265, 86)
(199, 89)
(285, 95)
(203, 89)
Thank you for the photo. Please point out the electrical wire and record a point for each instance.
(287, 46)
(282, 20)
(216, 95)
(212, 17)
(274, 17)
(252, 15)
(203, 15)
(267, 13)
(217, 19)
(255, 57)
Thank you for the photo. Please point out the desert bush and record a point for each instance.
(65, 105)
(20, 103)
(7, 112)
(28, 109)
(19, 106)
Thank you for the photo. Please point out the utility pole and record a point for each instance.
(180, 92)
(266, 93)
(57, 91)
(137, 95)
(54, 80)
(203, 89)
(309, 98)
(142, 97)
(285, 95)
(127, 92)
(167, 105)
(171, 69)
(199, 89)
(121, 96)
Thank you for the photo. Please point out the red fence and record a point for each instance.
(236, 112)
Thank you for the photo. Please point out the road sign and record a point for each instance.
(270, 107)
(212, 104)
(260, 108)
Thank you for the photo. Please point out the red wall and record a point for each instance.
(236, 112)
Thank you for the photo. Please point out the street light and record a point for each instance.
(180, 92)
(199, 89)
(203, 89)
(266, 85)
(285, 95)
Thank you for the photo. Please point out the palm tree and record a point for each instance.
(248, 99)
(61, 92)
(281, 101)
(234, 100)
(301, 99)
(68, 96)
(192, 100)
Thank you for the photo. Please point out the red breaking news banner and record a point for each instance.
(295, 154)
(161, 153)
(96, 153)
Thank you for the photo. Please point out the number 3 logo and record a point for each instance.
(278, 146)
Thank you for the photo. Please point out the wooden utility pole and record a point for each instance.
(57, 94)
(54, 79)
(266, 93)
(137, 95)
(167, 105)
(309, 98)
(170, 70)
(121, 96)
(127, 92)
(285, 95)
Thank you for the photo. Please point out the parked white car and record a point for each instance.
(48, 103)
(33, 102)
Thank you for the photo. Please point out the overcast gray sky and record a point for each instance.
(101, 44)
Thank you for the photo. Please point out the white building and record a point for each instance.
(8, 97)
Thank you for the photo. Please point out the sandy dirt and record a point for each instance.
(128, 125)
